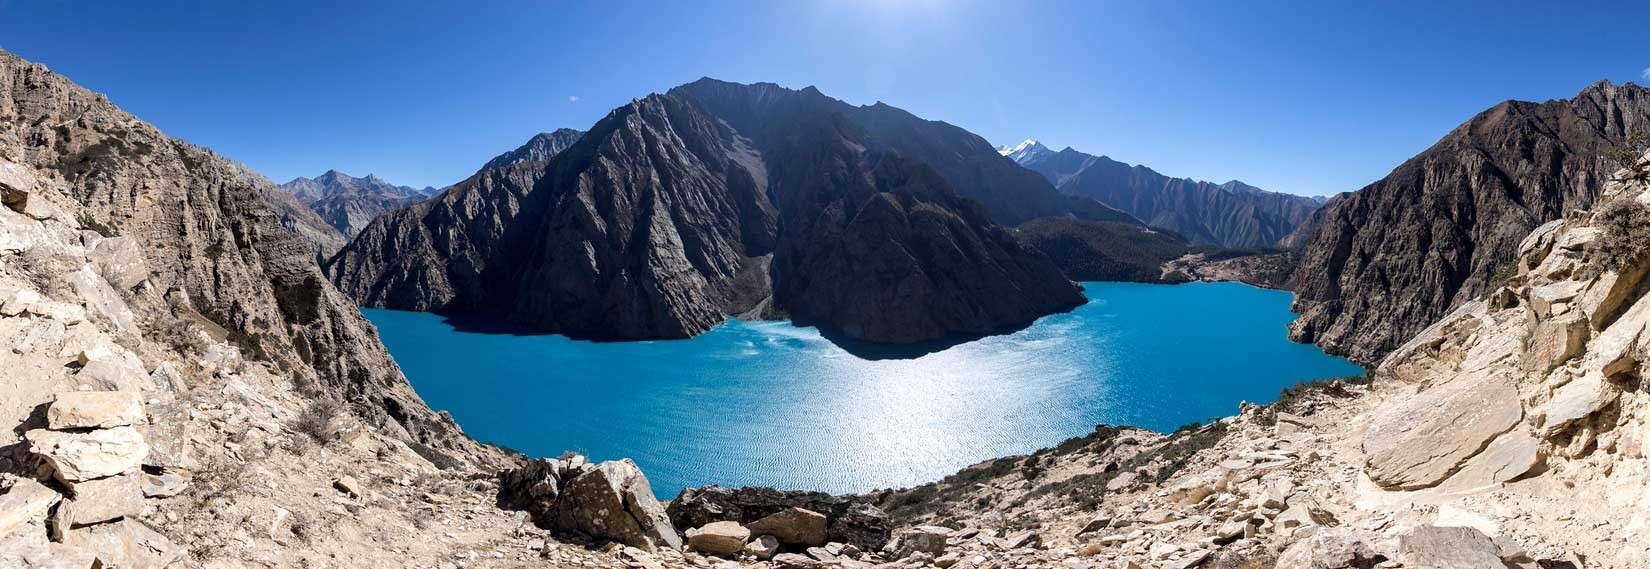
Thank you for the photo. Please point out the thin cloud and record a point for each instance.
(575, 98)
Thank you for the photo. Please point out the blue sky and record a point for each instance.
(1304, 97)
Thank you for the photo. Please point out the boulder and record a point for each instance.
(1577, 400)
(718, 538)
(107, 366)
(1430, 547)
(918, 539)
(94, 410)
(102, 299)
(103, 499)
(26, 503)
(16, 183)
(127, 544)
(77, 457)
(763, 547)
(613, 501)
(792, 526)
(861, 525)
(120, 261)
(1555, 341)
(1422, 439)
(1336, 548)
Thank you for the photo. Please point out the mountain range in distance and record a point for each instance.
(1233, 214)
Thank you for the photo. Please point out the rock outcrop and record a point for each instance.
(610, 500)
(787, 515)
(1382, 263)
(348, 203)
(1233, 214)
(680, 210)
(216, 253)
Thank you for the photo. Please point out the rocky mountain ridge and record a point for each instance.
(348, 203)
(1233, 214)
(1379, 264)
(719, 199)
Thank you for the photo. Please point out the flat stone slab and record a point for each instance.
(1418, 442)
(94, 410)
(1576, 400)
(1508, 456)
(1430, 547)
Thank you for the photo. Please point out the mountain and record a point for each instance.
(715, 199)
(297, 217)
(1383, 262)
(1233, 214)
(1027, 151)
(542, 146)
(348, 203)
(1105, 250)
(216, 263)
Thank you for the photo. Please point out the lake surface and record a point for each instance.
(769, 403)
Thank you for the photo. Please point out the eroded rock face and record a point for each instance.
(211, 243)
(1380, 264)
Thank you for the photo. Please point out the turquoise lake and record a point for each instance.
(772, 404)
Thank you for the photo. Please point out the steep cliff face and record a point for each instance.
(1387, 260)
(677, 211)
(1232, 214)
(217, 252)
(297, 217)
(348, 203)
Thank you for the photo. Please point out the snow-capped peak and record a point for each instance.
(1007, 150)
(1025, 151)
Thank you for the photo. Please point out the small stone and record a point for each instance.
(348, 485)
(763, 547)
(718, 538)
(1025, 538)
(165, 484)
(924, 539)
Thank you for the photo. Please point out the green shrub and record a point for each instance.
(1626, 234)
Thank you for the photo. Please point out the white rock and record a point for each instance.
(25, 504)
(95, 410)
(83, 456)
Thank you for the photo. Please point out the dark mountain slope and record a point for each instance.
(969, 164)
(665, 219)
(1387, 260)
(1105, 250)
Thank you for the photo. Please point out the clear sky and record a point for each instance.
(1307, 97)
